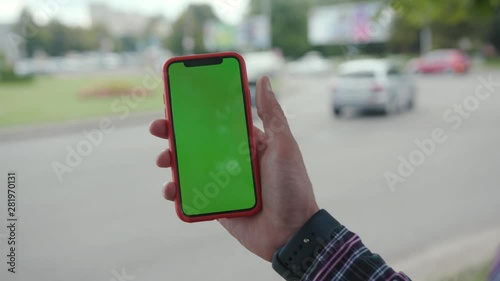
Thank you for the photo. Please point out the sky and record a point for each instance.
(76, 12)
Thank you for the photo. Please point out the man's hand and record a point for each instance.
(287, 196)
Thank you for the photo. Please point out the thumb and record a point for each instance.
(269, 109)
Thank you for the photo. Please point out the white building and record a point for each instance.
(8, 41)
(116, 22)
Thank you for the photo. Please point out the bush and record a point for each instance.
(113, 89)
(8, 75)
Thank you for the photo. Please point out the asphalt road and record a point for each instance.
(107, 220)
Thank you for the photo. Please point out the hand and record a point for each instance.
(287, 195)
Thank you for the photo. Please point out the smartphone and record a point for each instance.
(213, 152)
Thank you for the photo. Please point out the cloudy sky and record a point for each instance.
(76, 12)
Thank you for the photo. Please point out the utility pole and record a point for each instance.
(267, 10)
(425, 39)
(188, 40)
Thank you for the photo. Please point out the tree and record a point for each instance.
(288, 23)
(404, 36)
(57, 39)
(26, 30)
(449, 18)
(289, 26)
(187, 35)
(415, 22)
(493, 35)
(127, 43)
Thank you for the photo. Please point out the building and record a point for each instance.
(118, 23)
(8, 43)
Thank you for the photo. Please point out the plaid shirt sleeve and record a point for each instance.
(495, 270)
(346, 258)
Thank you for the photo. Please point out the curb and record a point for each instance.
(74, 126)
(449, 258)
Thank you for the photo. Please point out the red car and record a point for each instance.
(446, 60)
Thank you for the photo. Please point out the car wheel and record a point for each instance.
(391, 107)
(337, 111)
(411, 102)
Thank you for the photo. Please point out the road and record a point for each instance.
(107, 217)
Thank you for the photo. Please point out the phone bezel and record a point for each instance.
(214, 58)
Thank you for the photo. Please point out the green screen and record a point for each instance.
(211, 138)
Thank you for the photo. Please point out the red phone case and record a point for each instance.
(255, 164)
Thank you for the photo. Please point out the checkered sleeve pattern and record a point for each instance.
(346, 258)
(495, 269)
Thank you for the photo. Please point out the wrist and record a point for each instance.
(293, 259)
(290, 228)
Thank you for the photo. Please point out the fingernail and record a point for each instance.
(269, 87)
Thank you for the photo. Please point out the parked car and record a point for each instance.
(269, 63)
(253, 90)
(372, 84)
(445, 60)
(261, 63)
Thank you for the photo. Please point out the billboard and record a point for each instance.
(350, 23)
(218, 36)
(255, 33)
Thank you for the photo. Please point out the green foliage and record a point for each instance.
(190, 25)
(289, 20)
(57, 39)
(27, 33)
(50, 99)
(7, 73)
(289, 26)
(493, 34)
(126, 44)
(404, 37)
(423, 12)
(450, 20)
(54, 38)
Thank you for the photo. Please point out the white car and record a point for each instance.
(372, 84)
(268, 63)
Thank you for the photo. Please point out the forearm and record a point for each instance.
(323, 249)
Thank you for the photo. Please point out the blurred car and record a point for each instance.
(372, 84)
(253, 90)
(445, 60)
(311, 63)
(269, 63)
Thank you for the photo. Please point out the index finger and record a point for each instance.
(159, 128)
